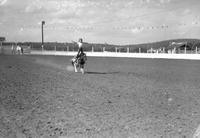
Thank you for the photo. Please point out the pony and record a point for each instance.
(78, 62)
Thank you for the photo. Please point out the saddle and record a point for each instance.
(82, 58)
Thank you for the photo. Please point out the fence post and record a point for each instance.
(0, 47)
(92, 49)
(196, 49)
(127, 49)
(139, 50)
(185, 50)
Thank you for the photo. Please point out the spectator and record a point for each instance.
(13, 50)
(22, 50)
(18, 49)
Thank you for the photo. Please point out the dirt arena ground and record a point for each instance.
(116, 98)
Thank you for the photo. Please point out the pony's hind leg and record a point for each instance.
(82, 70)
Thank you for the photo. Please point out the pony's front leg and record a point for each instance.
(75, 68)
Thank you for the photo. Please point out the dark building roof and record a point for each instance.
(177, 45)
(2, 39)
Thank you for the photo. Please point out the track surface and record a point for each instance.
(117, 97)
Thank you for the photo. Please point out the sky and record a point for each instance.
(99, 21)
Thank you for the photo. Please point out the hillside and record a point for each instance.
(191, 42)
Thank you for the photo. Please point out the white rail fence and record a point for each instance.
(27, 50)
(127, 55)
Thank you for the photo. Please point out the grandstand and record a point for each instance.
(2, 39)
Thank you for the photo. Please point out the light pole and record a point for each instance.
(43, 23)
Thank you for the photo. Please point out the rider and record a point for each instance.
(80, 47)
(81, 55)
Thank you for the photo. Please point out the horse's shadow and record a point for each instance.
(92, 72)
(116, 73)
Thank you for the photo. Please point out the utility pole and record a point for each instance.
(43, 23)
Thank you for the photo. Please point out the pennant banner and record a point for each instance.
(160, 27)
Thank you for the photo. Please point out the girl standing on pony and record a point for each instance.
(81, 56)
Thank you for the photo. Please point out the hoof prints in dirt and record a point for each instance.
(49, 130)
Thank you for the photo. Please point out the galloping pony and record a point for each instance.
(79, 62)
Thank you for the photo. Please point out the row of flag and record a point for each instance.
(48, 27)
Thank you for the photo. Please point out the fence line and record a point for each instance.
(127, 55)
(152, 53)
(122, 50)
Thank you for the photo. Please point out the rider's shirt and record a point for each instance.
(80, 48)
(80, 44)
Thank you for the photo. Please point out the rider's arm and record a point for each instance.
(78, 48)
